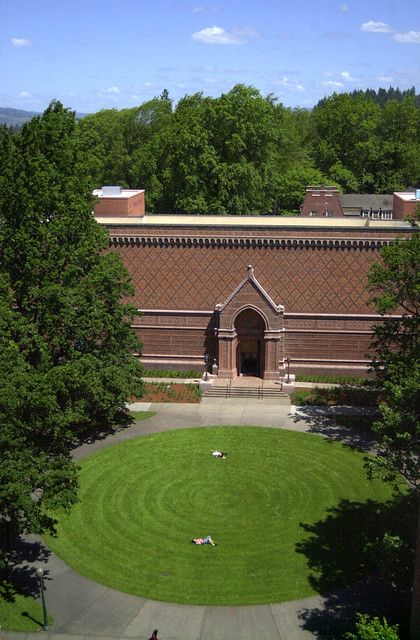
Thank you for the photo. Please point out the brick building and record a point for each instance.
(328, 202)
(250, 291)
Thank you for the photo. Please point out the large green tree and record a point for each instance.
(67, 366)
(395, 284)
(345, 144)
(224, 155)
(364, 147)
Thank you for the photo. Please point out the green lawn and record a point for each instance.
(22, 613)
(141, 415)
(142, 501)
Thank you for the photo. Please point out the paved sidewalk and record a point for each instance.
(243, 382)
(83, 608)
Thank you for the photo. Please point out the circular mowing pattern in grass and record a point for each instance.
(142, 501)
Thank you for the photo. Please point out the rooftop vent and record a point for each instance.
(111, 191)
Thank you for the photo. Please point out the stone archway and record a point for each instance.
(250, 328)
(250, 332)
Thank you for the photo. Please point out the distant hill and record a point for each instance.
(18, 117)
(15, 117)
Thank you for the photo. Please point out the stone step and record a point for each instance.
(244, 392)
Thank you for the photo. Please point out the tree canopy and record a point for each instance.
(395, 284)
(245, 153)
(395, 287)
(67, 365)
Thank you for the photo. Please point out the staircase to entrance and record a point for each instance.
(246, 387)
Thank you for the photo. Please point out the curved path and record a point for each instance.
(81, 607)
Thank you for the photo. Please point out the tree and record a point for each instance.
(395, 283)
(67, 366)
(36, 472)
(220, 155)
(398, 162)
(291, 186)
(345, 141)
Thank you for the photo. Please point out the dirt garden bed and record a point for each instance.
(170, 392)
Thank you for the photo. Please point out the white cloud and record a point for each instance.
(197, 9)
(344, 8)
(217, 35)
(333, 83)
(347, 77)
(409, 36)
(385, 78)
(21, 42)
(113, 89)
(24, 94)
(376, 27)
(290, 84)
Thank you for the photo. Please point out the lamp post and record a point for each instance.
(288, 359)
(206, 360)
(40, 574)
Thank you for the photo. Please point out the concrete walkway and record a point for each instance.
(83, 608)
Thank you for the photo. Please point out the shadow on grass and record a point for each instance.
(25, 614)
(19, 576)
(101, 428)
(349, 425)
(349, 547)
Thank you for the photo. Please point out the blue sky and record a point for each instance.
(96, 54)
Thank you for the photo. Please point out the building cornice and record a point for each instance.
(118, 240)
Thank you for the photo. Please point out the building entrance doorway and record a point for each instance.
(249, 357)
(250, 328)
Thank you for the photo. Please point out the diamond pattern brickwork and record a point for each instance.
(303, 279)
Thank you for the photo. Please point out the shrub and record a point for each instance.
(373, 629)
(352, 396)
(328, 379)
(159, 373)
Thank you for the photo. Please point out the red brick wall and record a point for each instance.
(133, 206)
(324, 274)
(402, 208)
(315, 280)
(320, 201)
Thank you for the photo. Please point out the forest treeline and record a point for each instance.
(245, 153)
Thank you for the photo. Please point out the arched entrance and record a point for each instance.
(250, 332)
(250, 328)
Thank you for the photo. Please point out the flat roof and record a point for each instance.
(124, 193)
(408, 196)
(249, 221)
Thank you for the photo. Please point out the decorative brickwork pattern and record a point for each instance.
(317, 280)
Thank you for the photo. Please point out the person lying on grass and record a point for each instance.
(219, 454)
(206, 540)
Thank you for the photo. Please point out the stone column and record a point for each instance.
(227, 353)
(272, 350)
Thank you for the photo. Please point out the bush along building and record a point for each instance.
(249, 292)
